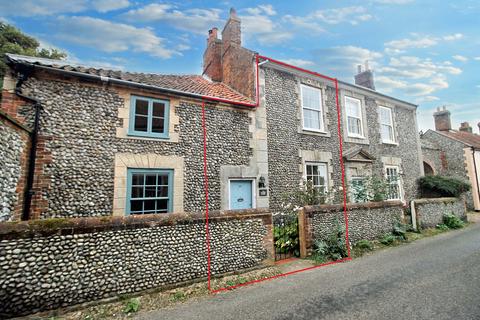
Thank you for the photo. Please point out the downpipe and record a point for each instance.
(29, 192)
(476, 174)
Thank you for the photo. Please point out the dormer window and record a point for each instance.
(149, 117)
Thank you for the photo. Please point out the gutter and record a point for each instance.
(29, 192)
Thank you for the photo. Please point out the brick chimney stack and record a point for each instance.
(212, 57)
(232, 33)
(442, 119)
(226, 61)
(365, 78)
(465, 126)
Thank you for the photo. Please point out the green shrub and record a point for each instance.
(373, 188)
(320, 247)
(364, 245)
(180, 295)
(319, 258)
(442, 186)
(307, 194)
(132, 305)
(337, 248)
(286, 237)
(442, 227)
(387, 239)
(400, 231)
(334, 247)
(452, 221)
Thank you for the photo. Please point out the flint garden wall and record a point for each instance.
(430, 211)
(47, 264)
(368, 220)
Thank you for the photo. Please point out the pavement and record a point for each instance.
(432, 278)
(473, 217)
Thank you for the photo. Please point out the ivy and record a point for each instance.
(442, 186)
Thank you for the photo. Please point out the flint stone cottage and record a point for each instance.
(119, 143)
(378, 134)
(454, 153)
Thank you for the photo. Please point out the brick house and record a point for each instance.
(453, 153)
(129, 143)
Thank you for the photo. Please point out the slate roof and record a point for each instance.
(470, 139)
(194, 84)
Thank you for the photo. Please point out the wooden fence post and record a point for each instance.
(302, 234)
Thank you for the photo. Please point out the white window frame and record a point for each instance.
(398, 182)
(321, 111)
(324, 164)
(360, 117)
(386, 124)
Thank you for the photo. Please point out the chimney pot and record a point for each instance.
(232, 33)
(365, 78)
(442, 119)
(465, 127)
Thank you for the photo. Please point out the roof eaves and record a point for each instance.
(344, 83)
(450, 137)
(49, 65)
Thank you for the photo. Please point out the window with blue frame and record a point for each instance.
(149, 191)
(148, 117)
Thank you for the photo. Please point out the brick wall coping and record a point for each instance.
(436, 200)
(71, 226)
(351, 206)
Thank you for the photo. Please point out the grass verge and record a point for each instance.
(358, 251)
(128, 306)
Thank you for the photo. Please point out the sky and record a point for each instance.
(425, 52)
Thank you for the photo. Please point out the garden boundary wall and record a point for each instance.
(368, 220)
(428, 212)
(53, 263)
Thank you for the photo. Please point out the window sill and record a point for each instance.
(392, 143)
(356, 137)
(394, 200)
(314, 132)
(135, 135)
(350, 139)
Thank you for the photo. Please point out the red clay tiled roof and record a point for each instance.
(195, 84)
(468, 138)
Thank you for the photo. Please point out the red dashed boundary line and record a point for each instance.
(205, 172)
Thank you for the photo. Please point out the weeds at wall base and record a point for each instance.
(156, 300)
(411, 237)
